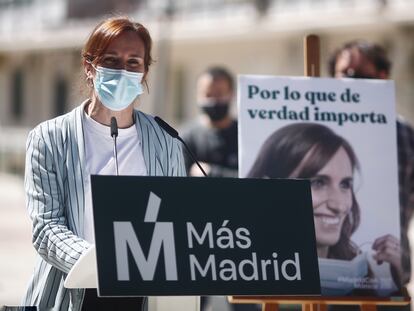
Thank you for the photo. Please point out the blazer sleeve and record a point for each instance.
(177, 159)
(52, 239)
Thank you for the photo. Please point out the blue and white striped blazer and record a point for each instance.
(54, 183)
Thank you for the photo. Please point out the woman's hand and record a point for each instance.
(388, 249)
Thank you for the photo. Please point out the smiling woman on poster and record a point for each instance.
(315, 152)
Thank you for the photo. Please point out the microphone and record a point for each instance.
(114, 135)
(174, 134)
(114, 127)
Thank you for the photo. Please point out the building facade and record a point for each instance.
(41, 42)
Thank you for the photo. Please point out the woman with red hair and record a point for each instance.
(63, 152)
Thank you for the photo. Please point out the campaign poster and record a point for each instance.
(341, 135)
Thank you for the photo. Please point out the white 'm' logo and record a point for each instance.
(163, 236)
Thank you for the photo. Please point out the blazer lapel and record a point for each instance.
(150, 149)
(143, 137)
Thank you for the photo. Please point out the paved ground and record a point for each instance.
(17, 255)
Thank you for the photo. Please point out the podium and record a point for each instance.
(180, 236)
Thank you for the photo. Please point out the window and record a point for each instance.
(61, 96)
(17, 94)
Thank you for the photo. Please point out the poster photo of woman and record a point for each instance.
(350, 170)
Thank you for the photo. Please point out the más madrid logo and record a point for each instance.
(163, 237)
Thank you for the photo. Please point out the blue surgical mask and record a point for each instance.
(116, 88)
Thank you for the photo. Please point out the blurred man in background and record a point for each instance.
(213, 137)
(361, 59)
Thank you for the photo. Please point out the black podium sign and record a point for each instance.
(160, 236)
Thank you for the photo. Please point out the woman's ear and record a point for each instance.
(89, 73)
(144, 80)
(144, 77)
(88, 69)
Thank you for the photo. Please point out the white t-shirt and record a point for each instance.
(100, 160)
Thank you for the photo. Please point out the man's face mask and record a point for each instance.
(116, 88)
(216, 110)
(340, 277)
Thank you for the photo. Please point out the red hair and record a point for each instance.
(109, 29)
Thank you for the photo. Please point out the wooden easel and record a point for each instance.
(319, 303)
(271, 303)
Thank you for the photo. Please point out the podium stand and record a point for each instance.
(173, 236)
(271, 303)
